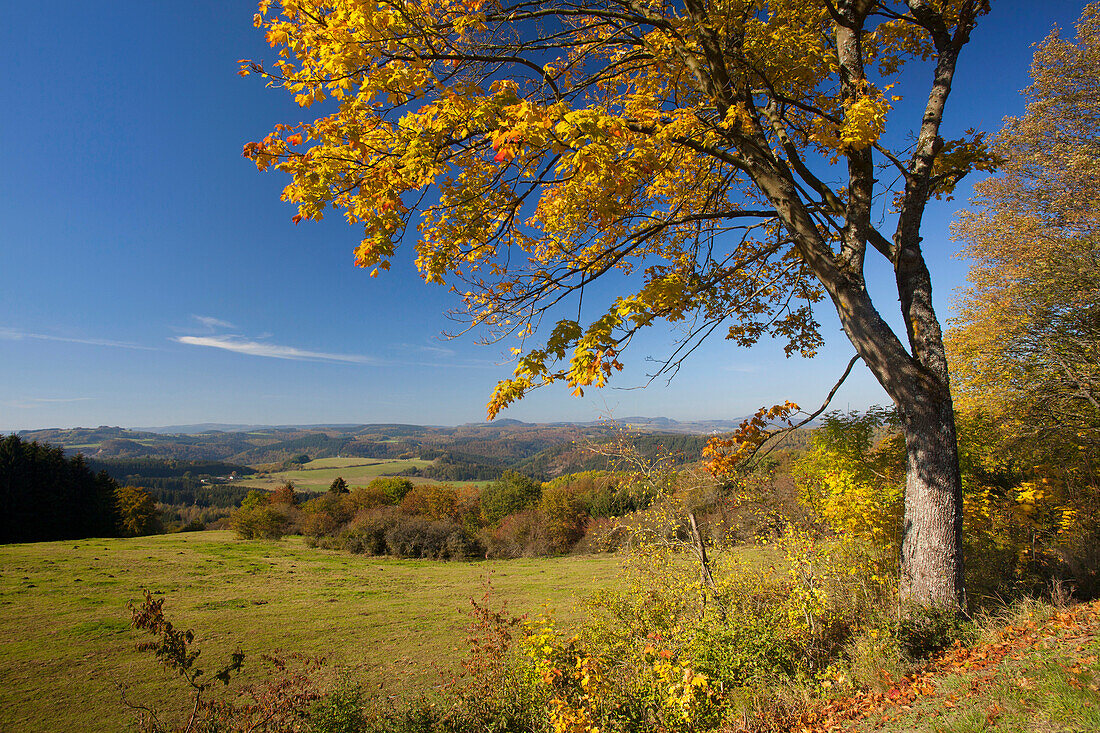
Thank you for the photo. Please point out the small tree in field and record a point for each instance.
(511, 493)
(563, 517)
(724, 162)
(285, 494)
(137, 512)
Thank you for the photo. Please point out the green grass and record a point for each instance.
(318, 475)
(65, 641)
(318, 463)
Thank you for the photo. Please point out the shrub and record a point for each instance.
(285, 494)
(367, 531)
(418, 537)
(563, 517)
(262, 522)
(607, 493)
(601, 534)
(922, 632)
(431, 501)
(495, 692)
(255, 498)
(512, 492)
(854, 485)
(367, 497)
(319, 524)
(326, 514)
(341, 711)
(280, 703)
(518, 535)
(394, 487)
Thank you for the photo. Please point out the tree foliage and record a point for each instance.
(511, 493)
(264, 515)
(852, 477)
(395, 488)
(1025, 346)
(285, 494)
(262, 522)
(563, 516)
(46, 496)
(681, 151)
(137, 512)
(1026, 342)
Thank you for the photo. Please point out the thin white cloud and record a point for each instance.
(434, 350)
(213, 323)
(241, 345)
(13, 335)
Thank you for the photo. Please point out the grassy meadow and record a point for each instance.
(66, 644)
(318, 474)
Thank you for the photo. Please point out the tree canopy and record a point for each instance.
(46, 496)
(719, 161)
(1026, 342)
(137, 512)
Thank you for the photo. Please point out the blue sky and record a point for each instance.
(149, 275)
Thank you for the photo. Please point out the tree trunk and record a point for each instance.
(931, 532)
(931, 551)
(916, 379)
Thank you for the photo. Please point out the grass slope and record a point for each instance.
(65, 640)
(317, 475)
(1036, 671)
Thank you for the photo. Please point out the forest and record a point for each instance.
(47, 496)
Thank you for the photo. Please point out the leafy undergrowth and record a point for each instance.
(1036, 672)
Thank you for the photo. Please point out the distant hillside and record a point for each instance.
(217, 427)
(475, 451)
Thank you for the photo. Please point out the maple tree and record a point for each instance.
(725, 156)
(1026, 343)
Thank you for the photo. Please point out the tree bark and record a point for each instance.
(931, 532)
(931, 544)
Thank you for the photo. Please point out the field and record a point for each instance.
(66, 645)
(317, 475)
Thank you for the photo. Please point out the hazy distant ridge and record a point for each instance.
(645, 424)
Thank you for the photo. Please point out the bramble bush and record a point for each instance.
(519, 534)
